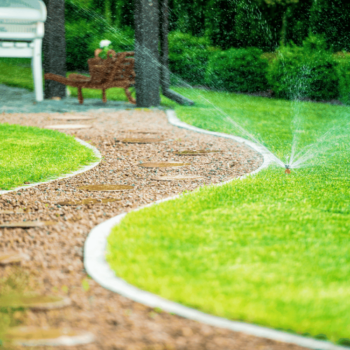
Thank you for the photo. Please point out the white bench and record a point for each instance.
(21, 34)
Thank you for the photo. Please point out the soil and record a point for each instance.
(54, 262)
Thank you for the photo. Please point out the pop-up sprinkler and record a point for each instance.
(287, 166)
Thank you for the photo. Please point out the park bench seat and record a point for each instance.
(116, 71)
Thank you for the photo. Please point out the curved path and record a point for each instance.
(55, 253)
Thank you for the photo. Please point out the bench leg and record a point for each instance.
(104, 98)
(37, 70)
(80, 96)
(128, 95)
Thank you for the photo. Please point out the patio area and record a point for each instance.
(18, 100)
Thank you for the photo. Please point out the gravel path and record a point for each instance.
(54, 264)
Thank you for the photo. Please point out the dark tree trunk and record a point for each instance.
(146, 53)
(54, 47)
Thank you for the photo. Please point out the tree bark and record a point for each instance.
(146, 53)
(54, 47)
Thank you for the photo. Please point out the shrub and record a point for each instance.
(344, 76)
(238, 70)
(78, 38)
(121, 40)
(331, 19)
(188, 56)
(220, 23)
(304, 72)
(256, 25)
(83, 38)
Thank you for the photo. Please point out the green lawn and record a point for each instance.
(30, 154)
(271, 249)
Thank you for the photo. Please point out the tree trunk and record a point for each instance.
(146, 53)
(54, 47)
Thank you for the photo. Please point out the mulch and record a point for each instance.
(54, 263)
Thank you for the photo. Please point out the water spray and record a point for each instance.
(287, 166)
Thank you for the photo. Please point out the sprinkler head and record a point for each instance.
(287, 166)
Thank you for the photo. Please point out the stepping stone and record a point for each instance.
(28, 224)
(106, 188)
(90, 201)
(20, 211)
(11, 258)
(68, 126)
(179, 178)
(35, 336)
(163, 165)
(34, 302)
(141, 132)
(141, 140)
(195, 153)
(74, 117)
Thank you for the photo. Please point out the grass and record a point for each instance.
(271, 249)
(30, 154)
(21, 73)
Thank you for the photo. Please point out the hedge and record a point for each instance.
(188, 57)
(238, 70)
(304, 72)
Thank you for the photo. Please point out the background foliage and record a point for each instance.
(216, 43)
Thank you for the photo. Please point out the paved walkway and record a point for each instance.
(18, 100)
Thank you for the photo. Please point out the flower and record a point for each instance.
(104, 43)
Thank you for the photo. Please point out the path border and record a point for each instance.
(82, 170)
(98, 268)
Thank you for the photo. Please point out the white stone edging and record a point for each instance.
(98, 268)
(82, 170)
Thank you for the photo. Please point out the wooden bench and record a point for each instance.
(117, 70)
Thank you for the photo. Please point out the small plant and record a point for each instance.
(105, 46)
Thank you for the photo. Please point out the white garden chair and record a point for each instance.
(21, 34)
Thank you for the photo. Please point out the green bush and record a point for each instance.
(83, 38)
(238, 70)
(188, 57)
(85, 30)
(304, 72)
(344, 77)
(78, 38)
(121, 40)
(331, 19)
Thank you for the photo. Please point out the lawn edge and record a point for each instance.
(82, 170)
(97, 267)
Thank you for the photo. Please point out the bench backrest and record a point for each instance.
(117, 67)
